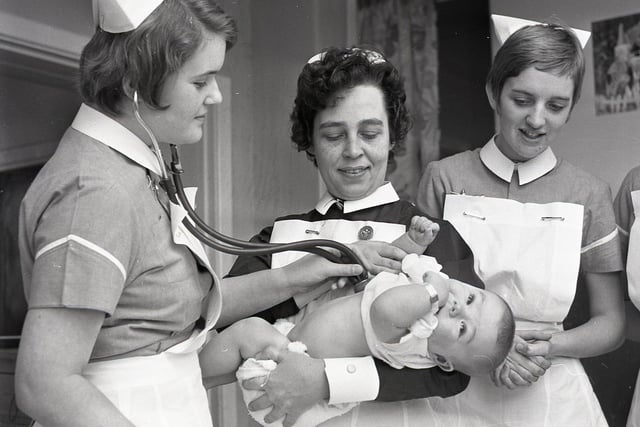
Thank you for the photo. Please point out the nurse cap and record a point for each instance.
(119, 16)
(504, 26)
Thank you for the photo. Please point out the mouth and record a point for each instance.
(532, 135)
(353, 171)
(201, 117)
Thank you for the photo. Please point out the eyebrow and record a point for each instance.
(481, 298)
(376, 122)
(206, 74)
(524, 92)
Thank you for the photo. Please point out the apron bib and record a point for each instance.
(633, 279)
(527, 253)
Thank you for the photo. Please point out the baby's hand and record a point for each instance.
(422, 230)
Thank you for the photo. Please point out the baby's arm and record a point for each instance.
(421, 233)
(396, 309)
(225, 351)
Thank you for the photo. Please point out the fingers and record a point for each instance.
(256, 383)
(532, 335)
(274, 415)
(528, 368)
(289, 420)
(531, 349)
(259, 403)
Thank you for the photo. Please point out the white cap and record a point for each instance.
(504, 26)
(119, 16)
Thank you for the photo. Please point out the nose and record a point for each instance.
(536, 117)
(214, 96)
(352, 146)
(456, 309)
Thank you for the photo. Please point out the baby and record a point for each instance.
(418, 318)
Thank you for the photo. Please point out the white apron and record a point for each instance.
(530, 255)
(633, 279)
(164, 390)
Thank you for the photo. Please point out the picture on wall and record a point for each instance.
(616, 63)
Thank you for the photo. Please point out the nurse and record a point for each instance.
(627, 208)
(118, 303)
(533, 222)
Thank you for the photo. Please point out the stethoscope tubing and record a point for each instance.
(216, 240)
(209, 236)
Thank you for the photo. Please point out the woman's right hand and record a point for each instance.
(295, 385)
(526, 361)
(379, 256)
(311, 271)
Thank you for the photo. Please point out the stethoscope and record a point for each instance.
(172, 183)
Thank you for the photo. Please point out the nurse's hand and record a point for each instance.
(526, 362)
(294, 386)
(311, 271)
(379, 256)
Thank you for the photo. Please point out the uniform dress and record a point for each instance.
(627, 208)
(531, 226)
(383, 217)
(95, 233)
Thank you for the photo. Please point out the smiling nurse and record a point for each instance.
(533, 221)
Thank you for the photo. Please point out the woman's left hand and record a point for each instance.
(526, 361)
(379, 256)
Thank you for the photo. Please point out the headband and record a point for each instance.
(373, 56)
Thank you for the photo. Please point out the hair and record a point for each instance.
(552, 48)
(144, 57)
(506, 334)
(483, 364)
(339, 69)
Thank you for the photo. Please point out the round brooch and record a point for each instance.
(365, 233)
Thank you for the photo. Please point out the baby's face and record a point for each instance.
(467, 326)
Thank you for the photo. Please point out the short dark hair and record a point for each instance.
(504, 339)
(552, 48)
(147, 55)
(338, 69)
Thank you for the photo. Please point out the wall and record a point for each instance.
(276, 39)
(607, 145)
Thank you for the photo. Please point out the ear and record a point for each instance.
(444, 363)
(492, 101)
(127, 88)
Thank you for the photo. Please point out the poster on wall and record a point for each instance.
(616, 63)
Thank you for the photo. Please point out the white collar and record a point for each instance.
(383, 195)
(106, 130)
(528, 171)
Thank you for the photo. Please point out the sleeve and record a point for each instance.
(623, 209)
(407, 383)
(351, 379)
(431, 191)
(76, 264)
(453, 253)
(600, 251)
(246, 264)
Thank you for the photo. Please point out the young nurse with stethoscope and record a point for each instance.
(121, 296)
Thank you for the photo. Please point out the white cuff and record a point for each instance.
(352, 379)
